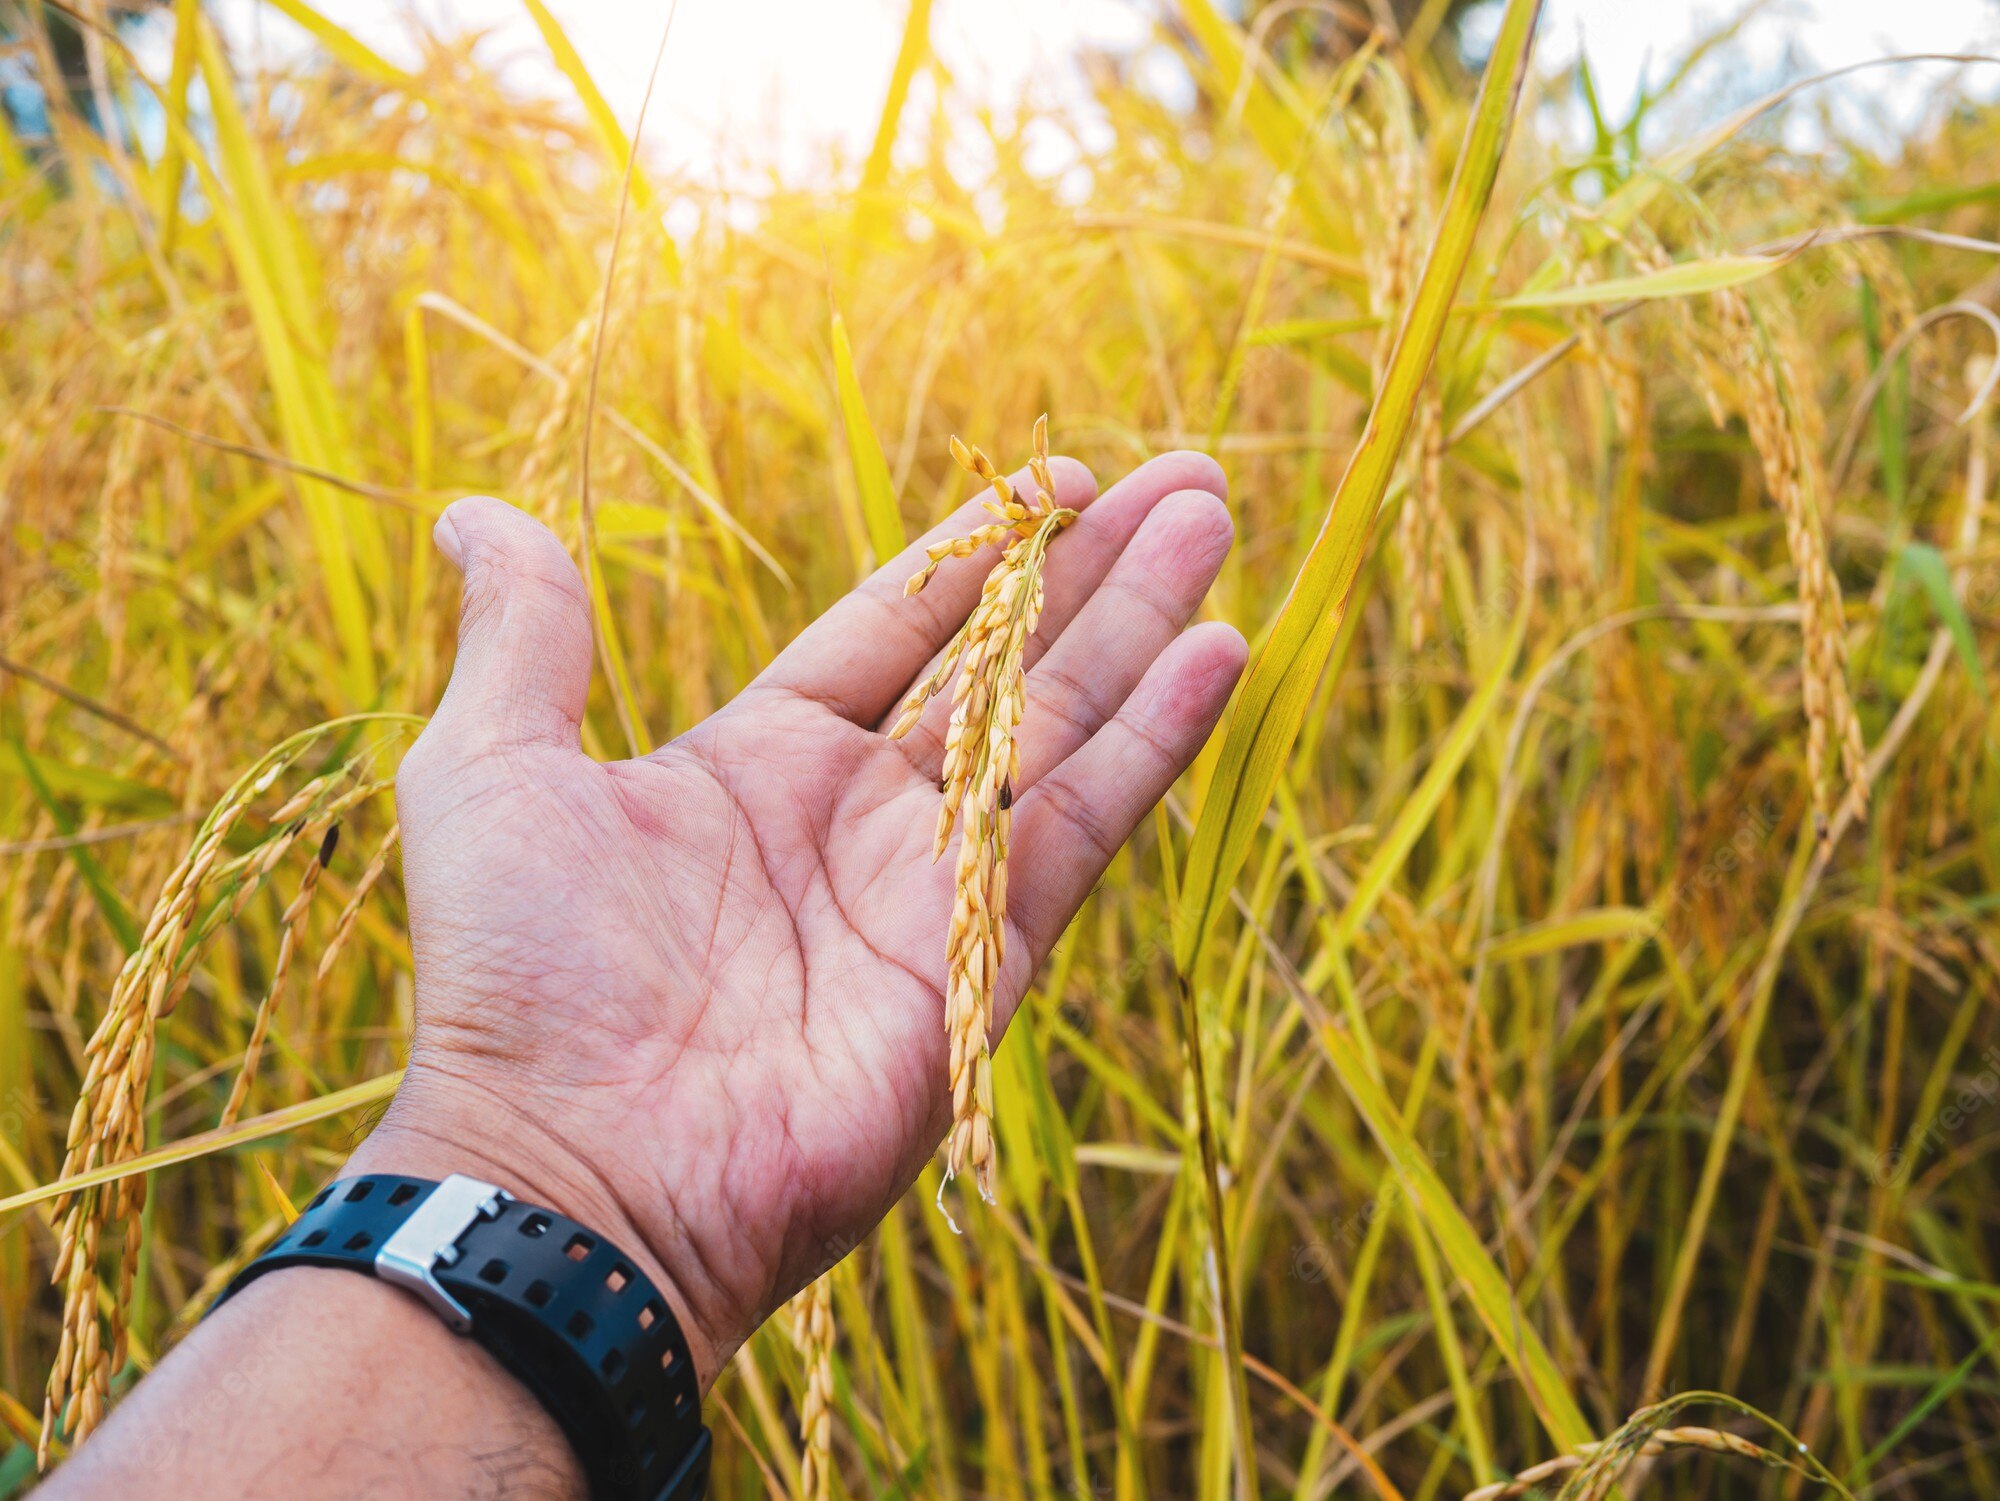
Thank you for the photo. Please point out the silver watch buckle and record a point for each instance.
(429, 1238)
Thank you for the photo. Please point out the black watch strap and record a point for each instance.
(559, 1306)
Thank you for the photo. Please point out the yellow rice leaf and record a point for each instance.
(437, 302)
(1604, 925)
(1130, 1157)
(205, 1143)
(280, 1200)
(167, 178)
(343, 46)
(1272, 110)
(17, 1417)
(15, 165)
(1683, 279)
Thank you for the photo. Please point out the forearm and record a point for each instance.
(318, 1383)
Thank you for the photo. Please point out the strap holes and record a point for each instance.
(613, 1365)
(320, 1197)
(667, 1360)
(651, 1314)
(358, 1241)
(535, 1224)
(638, 1413)
(618, 1278)
(579, 1247)
(539, 1293)
(580, 1325)
(494, 1271)
(403, 1194)
(359, 1192)
(313, 1239)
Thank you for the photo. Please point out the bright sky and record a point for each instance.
(782, 79)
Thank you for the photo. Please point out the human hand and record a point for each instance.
(695, 1000)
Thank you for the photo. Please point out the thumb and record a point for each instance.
(524, 643)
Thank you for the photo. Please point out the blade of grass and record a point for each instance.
(1601, 926)
(167, 176)
(437, 302)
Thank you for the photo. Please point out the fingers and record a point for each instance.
(1150, 594)
(1085, 553)
(1070, 824)
(524, 643)
(1079, 562)
(860, 656)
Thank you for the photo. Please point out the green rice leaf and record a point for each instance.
(864, 451)
(1926, 565)
(108, 901)
(1271, 705)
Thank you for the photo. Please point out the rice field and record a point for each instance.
(1547, 1044)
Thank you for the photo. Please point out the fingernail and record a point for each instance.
(446, 537)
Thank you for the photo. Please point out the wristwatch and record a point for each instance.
(559, 1306)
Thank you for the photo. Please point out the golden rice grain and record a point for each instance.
(107, 1126)
(1714, 1440)
(1421, 523)
(812, 1332)
(293, 924)
(1779, 431)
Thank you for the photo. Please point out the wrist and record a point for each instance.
(439, 1125)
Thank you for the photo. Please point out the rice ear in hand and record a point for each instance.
(982, 759)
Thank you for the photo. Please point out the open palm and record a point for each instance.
(695, 999)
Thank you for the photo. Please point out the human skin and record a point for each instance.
(693, 1000)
